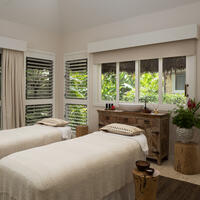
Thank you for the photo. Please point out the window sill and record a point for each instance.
(163, 107)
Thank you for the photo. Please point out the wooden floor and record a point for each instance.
(171, 189)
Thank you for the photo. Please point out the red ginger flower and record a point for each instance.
(191, 104)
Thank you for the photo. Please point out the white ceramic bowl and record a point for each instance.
(131, 107)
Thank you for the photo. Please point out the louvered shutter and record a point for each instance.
(39, 89)
(37, 112)
(39, 78)
(76, 114)
(76, 79)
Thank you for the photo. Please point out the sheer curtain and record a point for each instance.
(13, 98)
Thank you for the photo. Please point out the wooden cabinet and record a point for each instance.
(156, 128)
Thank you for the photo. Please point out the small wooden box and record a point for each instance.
(81, 131)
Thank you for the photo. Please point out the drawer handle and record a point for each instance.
(155, 132)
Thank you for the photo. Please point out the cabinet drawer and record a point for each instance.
(107, 119)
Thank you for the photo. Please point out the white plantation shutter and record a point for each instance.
(39, 78)
(39, 89)
(35, 113)
(76, 114)
(76, 79)
(76, 89)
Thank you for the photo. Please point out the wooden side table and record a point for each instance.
(145, 185)
(187, 158)
(81, 131)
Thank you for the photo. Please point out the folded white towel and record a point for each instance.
(142, 140)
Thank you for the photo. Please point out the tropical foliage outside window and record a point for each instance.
(149, 79)
(39, 86)
(76, 114)
(173, 88)
(108, 81)
(127, 81)
(76, 78)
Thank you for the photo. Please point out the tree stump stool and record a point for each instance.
(81, 131)
(145, 185)
(187, 158)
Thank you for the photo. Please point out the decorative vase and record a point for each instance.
(184, 135)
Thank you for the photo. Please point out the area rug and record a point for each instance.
(171, 189)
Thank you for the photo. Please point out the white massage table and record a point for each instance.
(14, 140)
(97, 166)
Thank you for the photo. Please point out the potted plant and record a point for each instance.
(185, 118)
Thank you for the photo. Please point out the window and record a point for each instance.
(108, 81)
(174, 79)
(149, 78)
(180, 81)
(127, 81)
(76, 92)
(39, 88)
(157, 80)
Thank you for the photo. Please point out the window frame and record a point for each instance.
(77, 56)
(190, 60)
(1, 113)
(41, 55)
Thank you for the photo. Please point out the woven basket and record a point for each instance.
(81, 130)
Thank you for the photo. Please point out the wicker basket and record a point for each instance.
(81, 130)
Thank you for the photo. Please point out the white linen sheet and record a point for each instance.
(86, 168)
(141, 139)
(19, 139)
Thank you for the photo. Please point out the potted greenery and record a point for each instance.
(185, 118)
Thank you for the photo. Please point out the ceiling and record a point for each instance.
(76, 15)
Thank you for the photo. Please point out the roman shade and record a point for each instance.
(169, 49)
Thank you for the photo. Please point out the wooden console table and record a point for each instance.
(156, 128)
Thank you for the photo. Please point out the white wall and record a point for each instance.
(43, 40)
(78, 41)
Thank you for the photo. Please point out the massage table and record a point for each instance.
(19, 139)
(97, 166)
